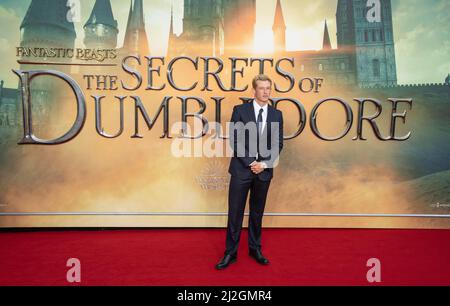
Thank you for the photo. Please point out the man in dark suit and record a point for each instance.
(256, 137)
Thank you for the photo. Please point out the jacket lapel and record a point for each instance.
(251, 111)
(270, 118)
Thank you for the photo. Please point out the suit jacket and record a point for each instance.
(244, 152)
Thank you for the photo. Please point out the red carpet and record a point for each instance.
(188, 256)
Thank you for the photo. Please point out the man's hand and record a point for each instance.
(258, 167)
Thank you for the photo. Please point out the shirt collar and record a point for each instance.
(257, 106)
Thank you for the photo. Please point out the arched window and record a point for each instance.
(376, 67)
(320, 67)
(342, 66)
(302, 67)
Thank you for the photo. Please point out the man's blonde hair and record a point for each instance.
(260, 77)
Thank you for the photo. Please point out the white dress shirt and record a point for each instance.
(256, 108)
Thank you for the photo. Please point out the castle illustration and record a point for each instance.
(364, 56)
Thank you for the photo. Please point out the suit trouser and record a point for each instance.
(237, 198)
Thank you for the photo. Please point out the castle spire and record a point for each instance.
(136, 37)
(326, 38)
(129, 15)
(172, 36)
(279, 29)
(279, 18)
(171, 33)
(102, 14)
(171, 19)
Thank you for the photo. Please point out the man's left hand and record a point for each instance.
(258, 167)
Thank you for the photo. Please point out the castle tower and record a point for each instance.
(203, 27)
(9, 112)
(367, 33)
(136, 40)
(1, 92)
(326, 38)
(47, 24)
(240, 20)
(172, 43)
(101, 28)
(345, 24)
(279, 30)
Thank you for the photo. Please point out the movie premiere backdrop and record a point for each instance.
(115, 113)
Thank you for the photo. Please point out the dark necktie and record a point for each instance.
(260, 119)
(258, 127)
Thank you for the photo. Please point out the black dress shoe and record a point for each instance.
(226, 261)
(256, 254)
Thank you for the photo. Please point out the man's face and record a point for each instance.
(262, 90)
